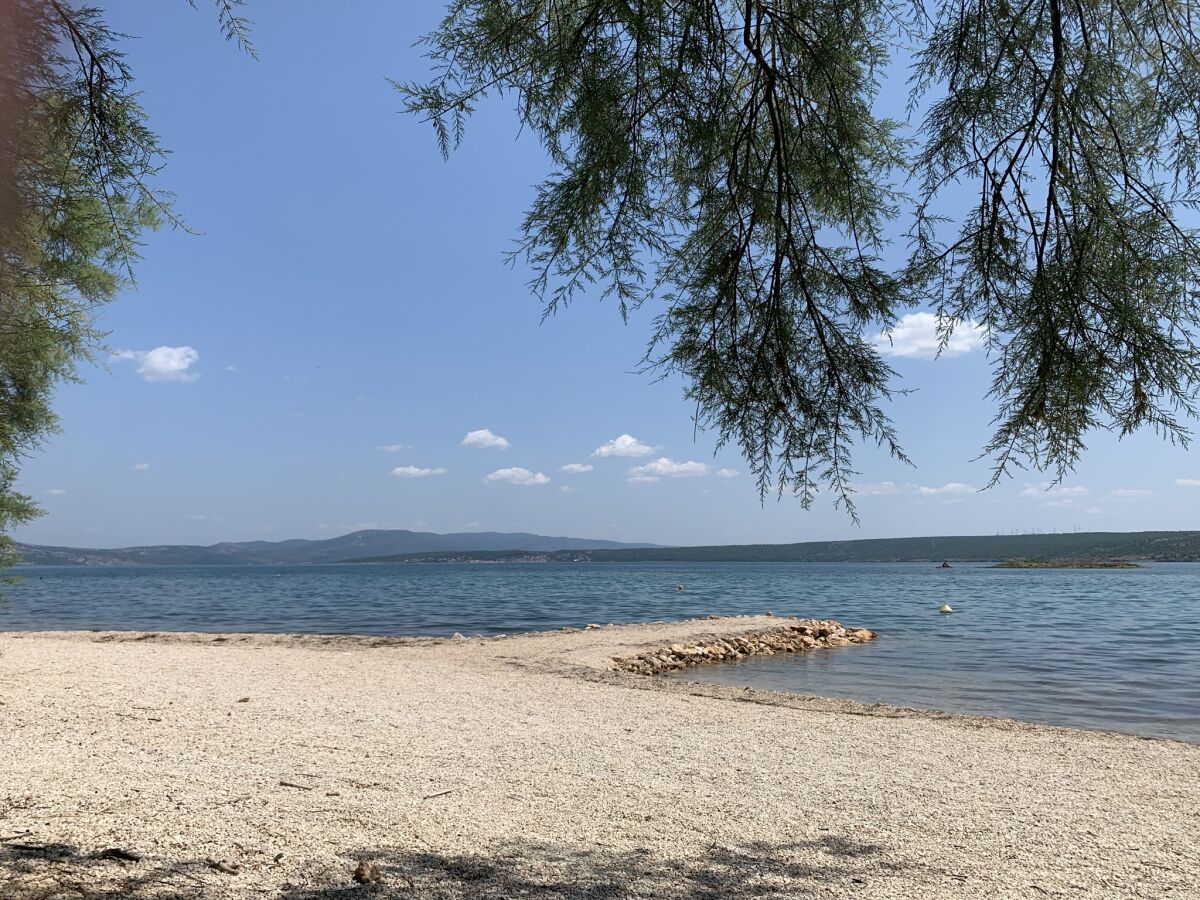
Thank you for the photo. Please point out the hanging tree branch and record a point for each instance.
(723, 159)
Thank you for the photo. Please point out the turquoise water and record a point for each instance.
(1115, 649)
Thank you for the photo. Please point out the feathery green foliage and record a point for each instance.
(76, 160)
(726, 161)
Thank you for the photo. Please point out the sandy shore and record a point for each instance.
(526, 767)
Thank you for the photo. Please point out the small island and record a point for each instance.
(1067, 564)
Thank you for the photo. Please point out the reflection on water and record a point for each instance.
(1116, 649)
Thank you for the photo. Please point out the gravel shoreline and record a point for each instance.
(239, 766)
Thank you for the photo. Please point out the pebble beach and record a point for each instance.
(548, 765)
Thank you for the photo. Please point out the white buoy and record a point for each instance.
(945, 609)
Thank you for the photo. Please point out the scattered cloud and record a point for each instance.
(877, 488)
(516, 475)
(575, 468)
(624, 445)
(1054, 496)
(915, 337)
(484, 438)
(727, 473)
(416, 472)
(141, 467)
(394, 448)
(954, 488)
(163, 363)
(1188, 482)
(567, 489)
(195, 517)
(231, 368)
(664, 467)
(1130, 494)
(642, 479)
(56, 492)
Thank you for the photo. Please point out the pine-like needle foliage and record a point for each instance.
(1076, 120)
(77, 158)
(725, 160)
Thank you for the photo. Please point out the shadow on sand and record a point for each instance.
(527, 871)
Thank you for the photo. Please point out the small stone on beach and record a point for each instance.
(367, 873)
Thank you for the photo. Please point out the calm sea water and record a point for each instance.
(1115, 650)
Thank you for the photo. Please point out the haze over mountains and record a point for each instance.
(415, 547)
(308, 552)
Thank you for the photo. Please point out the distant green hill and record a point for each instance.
(1162, 546)
(375, 542)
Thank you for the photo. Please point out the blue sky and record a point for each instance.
(311, 360)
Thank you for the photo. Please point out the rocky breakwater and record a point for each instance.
(808, 634)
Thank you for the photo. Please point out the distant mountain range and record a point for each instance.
(488, 546)
(1161, 546)
(306, 552)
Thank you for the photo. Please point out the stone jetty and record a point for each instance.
(807, 634)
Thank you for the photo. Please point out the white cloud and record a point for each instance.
(624, 445)
(642, 479)
(575, 468)
(1188, 482)
(1130, 494)
(876, 488)
(727, 473)
(231, 368)
(516, 475)
(915, 337)
(195, 517)
(395, 448)
(953, 488)
(1047, 490)
(56, 492)
(484, 438)
(163, 363)
(567, 489)
(141, 467)
(669, 468)
(416, 472)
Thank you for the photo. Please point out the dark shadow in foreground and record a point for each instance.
(524, 870)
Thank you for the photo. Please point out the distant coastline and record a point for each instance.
(1067, 564)
(390, 547)
(1065, 550)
